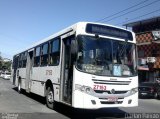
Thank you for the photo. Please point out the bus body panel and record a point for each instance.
(41, 74)
(37, 87)
(22, 76)
(83, 100)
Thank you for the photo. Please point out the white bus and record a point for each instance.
(87, 65)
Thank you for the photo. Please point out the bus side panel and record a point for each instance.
(56, 92)
(12, 73)
(16, 81)
(38, 88)
(37, 84)
(22, 75)
(55, 78)
(39, 77)
(23, 83)
(12, 77)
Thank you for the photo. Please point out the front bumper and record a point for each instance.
(86, 101)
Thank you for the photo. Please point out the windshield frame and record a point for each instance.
(134, 58)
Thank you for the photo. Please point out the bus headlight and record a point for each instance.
(134, 90)
(85, 89)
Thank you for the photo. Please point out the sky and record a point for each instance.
(24, 22)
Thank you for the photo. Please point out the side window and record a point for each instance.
(55, 52)
(44, 55)
(14, 62)
(37, 57)
(20, 61)
(24, 59)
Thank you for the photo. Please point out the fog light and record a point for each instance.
(93, 102)
(129, 101)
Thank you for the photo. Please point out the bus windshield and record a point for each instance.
(102, 56)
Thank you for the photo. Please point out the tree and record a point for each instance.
(7, 66)
(1, 62)
(4, 65)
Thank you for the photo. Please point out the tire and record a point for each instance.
(156, 95)
(19, 87)
(50, 98)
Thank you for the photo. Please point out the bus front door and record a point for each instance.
(67, 71)
(29, 71)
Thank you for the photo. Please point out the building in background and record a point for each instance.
(148, 48)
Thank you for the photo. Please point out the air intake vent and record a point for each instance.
(108, 82)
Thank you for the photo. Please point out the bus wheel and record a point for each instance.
(156, 95)
(19, 87)
(50, 98)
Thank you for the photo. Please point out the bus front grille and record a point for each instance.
(106, 102)
(108, 82)
(107, 98)
(116, 92)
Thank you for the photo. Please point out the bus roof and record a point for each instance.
(60, 33)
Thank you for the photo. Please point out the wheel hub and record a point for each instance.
(50, 97)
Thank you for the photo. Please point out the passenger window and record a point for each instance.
(24, 59)
(37, 57)
(15, 62)
(37, 51)
(44, 56)
(20, 61)
(55, 46)
(55, 52)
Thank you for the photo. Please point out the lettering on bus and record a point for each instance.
(48, 72)
(99, 87)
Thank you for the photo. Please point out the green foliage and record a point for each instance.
(1, 62)
(5, 65)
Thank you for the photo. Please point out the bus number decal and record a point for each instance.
(48, 72)
(99, 87)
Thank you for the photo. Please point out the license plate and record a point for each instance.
(112, 99)
(144, 93)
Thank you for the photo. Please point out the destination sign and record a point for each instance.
(109, 31)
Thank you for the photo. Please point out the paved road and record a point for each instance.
(26, 105)
(145, 106)
(30, 106)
